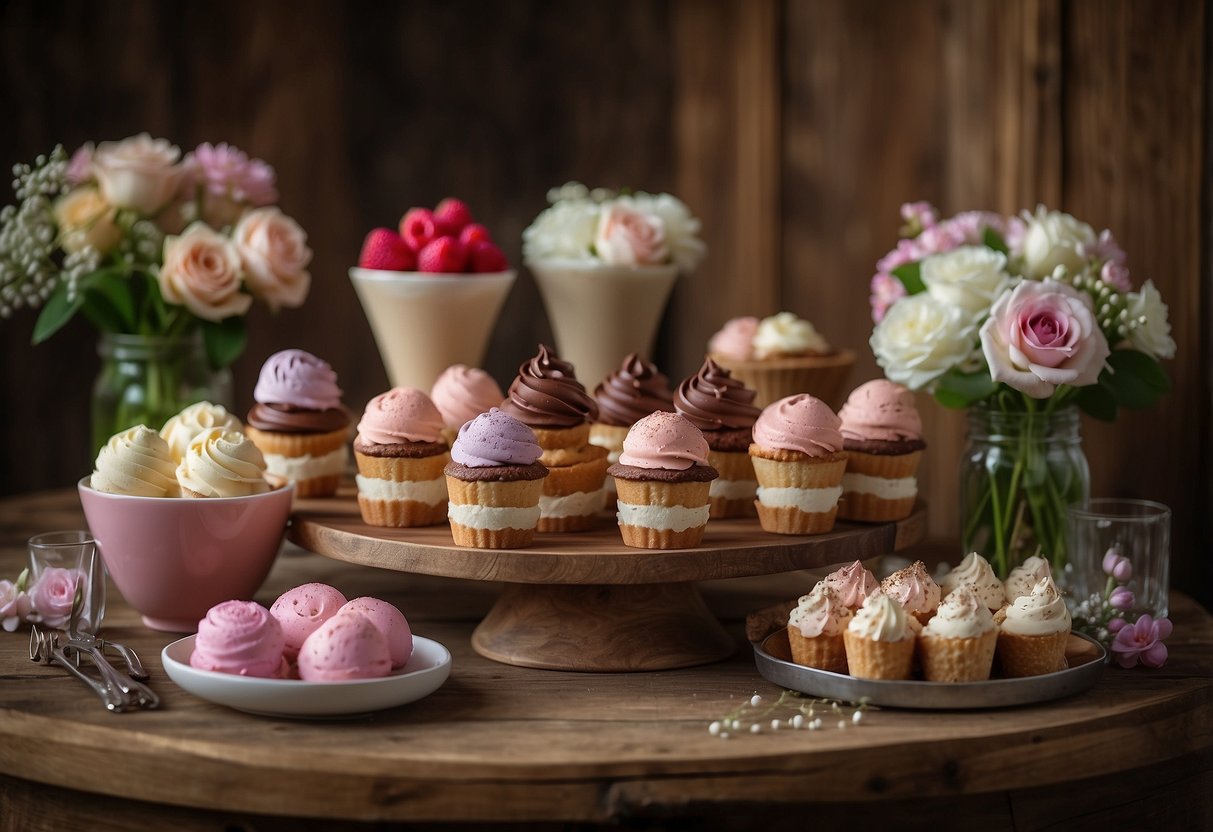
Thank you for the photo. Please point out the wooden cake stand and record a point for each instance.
(585, 601)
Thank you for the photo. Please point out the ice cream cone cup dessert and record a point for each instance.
(976, 571)
(663, 479)
(1025, 577)
(222, 463)
(957, 645)
(401, 455)
(137, 462)
(298, 422)
(780, 356)
(461, 394)
(494, 481)
(880, 640)
(915, 590)
(815, 630)
(628, 394)
(798, 459)
(547, 397)
(720, 406)
(1033, 632)
(852, 584)
(882, 438)
(182, 428)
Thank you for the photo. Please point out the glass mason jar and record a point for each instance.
(146, 379)
(1018, 473)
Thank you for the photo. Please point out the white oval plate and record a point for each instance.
(427, 669)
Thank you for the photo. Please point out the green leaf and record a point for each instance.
(910, 275)
(55, 314)
(115, 286)
(992, 239)
(1134, 378)
(224, 341)
(1098, 401)
(960, 390)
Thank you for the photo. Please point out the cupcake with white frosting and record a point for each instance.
(1033, 632)
(915, 590)
(1025, 576)
(880, 640)
(957, 645)
(976, 571)
(815, 630)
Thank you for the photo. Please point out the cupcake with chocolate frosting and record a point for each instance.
(625, 397)
(547, 397)
(882, 438)
(722, 408)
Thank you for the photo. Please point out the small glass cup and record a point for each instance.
(1140, 530)
(75, 550)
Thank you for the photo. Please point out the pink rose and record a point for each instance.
(202, 271)
(53, 593)
(1040, 335)
(14, 606)
(140, 173)
(80, 166)
(275, 254)
(886, 291)
(627, 237)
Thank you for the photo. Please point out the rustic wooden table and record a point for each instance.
(552, 749)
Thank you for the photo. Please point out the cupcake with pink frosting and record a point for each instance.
(882, 438)
(853, 583)
(241, 638)
(915, 590)
(401, 456)
(663, 479)
(461, 394)
(815, 629)
(495, 481)
(799, 462)
(299, 423)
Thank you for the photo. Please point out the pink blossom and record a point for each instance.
(1142, 641)
(907, 251)
(1117, 565)
(1115, 625)
(80, 166)
(886, 291)
(1013, 232)
(53, 593)
(1121, 598)
(1116, 275)
(225, 171)
(970, 226)
(14, 605)
(919, 214)
(940, 238)
(1105, 249)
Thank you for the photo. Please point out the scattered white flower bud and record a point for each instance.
(714, 729)
(842, 723)
(797, 721)
(755, 728)
(775, 724)
(755, 700)
(857, 717)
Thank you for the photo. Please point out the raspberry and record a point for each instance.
(451, 216)
(486, 257)
(445, 254)
(418, 228)
(472, 232)
(384, 249)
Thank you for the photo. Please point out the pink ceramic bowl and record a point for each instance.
(175, 558)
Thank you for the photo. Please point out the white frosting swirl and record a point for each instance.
(961, 615)
(136, 462)
(181, 429)
(881, 619)
(819, 613)
(786, 334)
(975, 571)
(222, 463)
(1025, 576)
(1040, 613)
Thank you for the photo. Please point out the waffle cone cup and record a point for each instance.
(296, 445)
(733, 466)
(822, 652)
(824, 376)
(957, 659)
(869, 659)
(662, 493)
(497, 494)
(777, 468)
(1031, 655)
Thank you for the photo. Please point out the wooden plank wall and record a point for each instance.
(794, 129)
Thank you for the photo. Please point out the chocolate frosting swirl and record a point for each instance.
(283, 418)
(632, 392)
(547, 394)
(713, 400)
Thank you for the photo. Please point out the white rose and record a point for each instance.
(681, 229)
(565, 231)
(140, 173)
(627, 237)
(969, 277)
(202, 271)
(275, 254)
(920, 339)
(1052, 239)
(86, 219)
(1151, 332)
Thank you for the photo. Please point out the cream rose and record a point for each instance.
(140, 173)
(1042, 334)
(969, 277)
(627, 237)
(1151, 332)
(1052, 239)
(922, 338)
(275, 254)
(86, 219)
(202, 271)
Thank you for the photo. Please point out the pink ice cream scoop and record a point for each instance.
(347, 646)
(389, 621)
(880, 410)
(299, 379)
(300, 611)
(799, 423)
(402, 414)
(735, 339)
(495, 438)
(240, 637)
(664, 440)
(462, 393)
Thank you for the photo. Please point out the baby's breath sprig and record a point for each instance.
(1109, 303)
(792, 710)
(28, 271)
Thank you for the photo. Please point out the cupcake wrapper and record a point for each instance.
(823, 376)
(491, 538)
(722, 508)
(401, 514)
(297, 444)
(402, 469)
(868, 659)
(642, 537)
(868, 508)
(957, 659)
(660, 493)
(791, 520)
(1031, 655)
(822, 652)
(503, 494)
(805, 472)
(889, 466)
(315, 486)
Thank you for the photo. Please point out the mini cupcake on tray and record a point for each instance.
(720, 406)
(880, 640)
(299, 423)
(461, 394)
(628, 394)
(815, 630)
(222, 463)
(495, 481)
(663, 478)
(976, 571)
(853, 584)
(797, 455)
(915, 590)
(1033, 631)
(547, 397)
(1026, 576)
(957, 645)
(401, 456)
(882, 437)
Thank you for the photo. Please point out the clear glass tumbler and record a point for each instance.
(1140, 530)
(75, 550)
